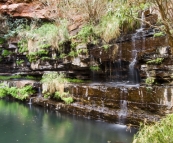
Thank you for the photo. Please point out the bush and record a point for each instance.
(53, 86)
(150, 80)
(3, 92)
(160, 132)
(156, 61)
(6, 53)
(64, 96)
(18, 93)
(159, 34)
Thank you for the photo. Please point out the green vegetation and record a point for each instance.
(86, 34)
(156, 61)
(22, 46)
(2, 40)
(63, 96)
(53, 86)
(15, 26)
(3, 91)
(20, 62)
(159, 34)
(73, 54)
(94, 68)
(75, 80)
(106, 47)
(150, 80)
(10, 77)
(160, 132)
(37, 39)
(6, 53)
(18, 93)
(18, 77)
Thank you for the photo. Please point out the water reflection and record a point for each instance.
(22, 124)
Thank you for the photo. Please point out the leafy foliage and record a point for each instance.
(6, 53)
(158, 34)
(10, 77)
(53, 86)
(3, 91)
(19, 62)
(150, 80)
(18, 93)
(64, 96)
(15, 26)
(86, 34)
(160, 132)
(94, 68)
(156, 61)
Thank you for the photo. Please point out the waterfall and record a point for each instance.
(143, 20)
(39, 92)
(30, 100)
(123, 109)
(133, 72)
(102, 105)
(123, 105)
(168, 97)
(118, 65)
(86, 93)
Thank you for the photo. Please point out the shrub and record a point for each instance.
(53, 86)
(3, 91)
(6, 53)
(159, 34)
(9, 77)
(160, 132)
(86, 34)
(64, 96)
(19, 62)
(156, 61)
(150, 80)
(19, 93)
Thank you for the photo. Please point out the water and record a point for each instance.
(134, 77)
(37, 125)
(30, 101)
(123, 105)
(39, 92)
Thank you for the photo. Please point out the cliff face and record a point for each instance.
(133, 58)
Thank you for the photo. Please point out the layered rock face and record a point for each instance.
(133, 58)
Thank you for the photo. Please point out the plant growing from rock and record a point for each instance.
(53, 86)
(37, 40)
(20, 62)
(6, 53)
(156, 61)
(18, 93)
(94, 68)
(158, 34)
(150, 80)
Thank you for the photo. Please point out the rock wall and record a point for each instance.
(134, 58)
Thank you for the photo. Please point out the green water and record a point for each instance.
(24, 123)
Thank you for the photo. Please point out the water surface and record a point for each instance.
(24, 123)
